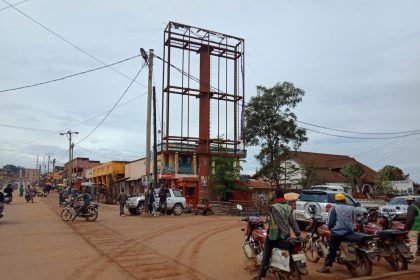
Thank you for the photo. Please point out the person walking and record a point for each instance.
(122, 199)
(162, 200)
(340, 222)
(412, 225)
(281, 219)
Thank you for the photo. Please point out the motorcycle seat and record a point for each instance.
(391, 233)
(357, 237)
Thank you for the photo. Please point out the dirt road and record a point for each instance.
(35, 243)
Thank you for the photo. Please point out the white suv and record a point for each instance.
(175, 202)
(324, 199)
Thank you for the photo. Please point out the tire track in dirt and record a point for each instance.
(192, 240)
(136, 259)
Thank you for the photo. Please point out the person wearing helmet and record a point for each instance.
(340, 222)
(281, 219)
(412, 225)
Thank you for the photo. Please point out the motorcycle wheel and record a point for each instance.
(66, 215)
(310, 250)
(362, 266)
(397, 261)
(94, 215)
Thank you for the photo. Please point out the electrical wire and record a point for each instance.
(197, 80)
(406, 133)
(68, 76)
(27, 128)
(115, 105)
(15, 4)
(109, 156)
(364, 138)
(69, 43)
(354, 132)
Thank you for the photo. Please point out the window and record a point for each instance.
(398, 201)
(350, 201)
(315, 197)
(177, 193)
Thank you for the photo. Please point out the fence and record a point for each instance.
(249, 208)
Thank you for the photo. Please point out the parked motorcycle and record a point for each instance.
(354, 252)
(316, 242)
(391, 244)
(283, 264)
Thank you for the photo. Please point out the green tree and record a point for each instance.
(354, 173)
(224, 175)
(271, 124)
(385, 175)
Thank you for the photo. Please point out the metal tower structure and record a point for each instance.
(203, 91)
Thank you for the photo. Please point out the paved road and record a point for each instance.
(36, 244)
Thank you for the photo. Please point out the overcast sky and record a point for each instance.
(358, 61)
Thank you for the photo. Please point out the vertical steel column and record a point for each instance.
(204, 121)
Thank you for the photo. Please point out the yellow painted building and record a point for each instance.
(106, 174)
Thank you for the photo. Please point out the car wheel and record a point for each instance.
(140, 208)
(133, 211)
(177, 210)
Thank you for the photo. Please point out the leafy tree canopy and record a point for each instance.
(353, 172)
(271, 124)
(391, 173)
(224, 175)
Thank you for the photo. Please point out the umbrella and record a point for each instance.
(291, 196)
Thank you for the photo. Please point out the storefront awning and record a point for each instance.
(133, 179)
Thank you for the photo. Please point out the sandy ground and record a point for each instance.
(36, 244)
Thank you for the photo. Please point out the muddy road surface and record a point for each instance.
(36, 244)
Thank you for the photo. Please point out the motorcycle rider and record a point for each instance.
(281, 219)
(340, 222)
(1, 204)
(86, 202)
(9, 191)
(412, 224)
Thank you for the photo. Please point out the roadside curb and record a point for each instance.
(410, 272)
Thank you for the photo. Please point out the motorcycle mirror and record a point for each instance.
(239, 207)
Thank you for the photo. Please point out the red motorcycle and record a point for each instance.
(389, 242)
(283, 264)
(353, 253)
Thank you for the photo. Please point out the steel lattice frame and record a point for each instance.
(225, 53)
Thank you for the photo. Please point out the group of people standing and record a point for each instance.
(150, 203)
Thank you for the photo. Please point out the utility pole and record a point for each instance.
(155, 174)
(69, 133)
(49, 161)
(149, 61)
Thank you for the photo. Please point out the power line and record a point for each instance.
(68, 42)
(406, 133)
(2, 9)
(115, 105)
(354, 132)
(197, 80)
(69, 76)
(364, 138)
(27, 128)
(110, 156)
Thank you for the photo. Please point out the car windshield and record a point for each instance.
(177, 193)
(314, 197)
(398, 201)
